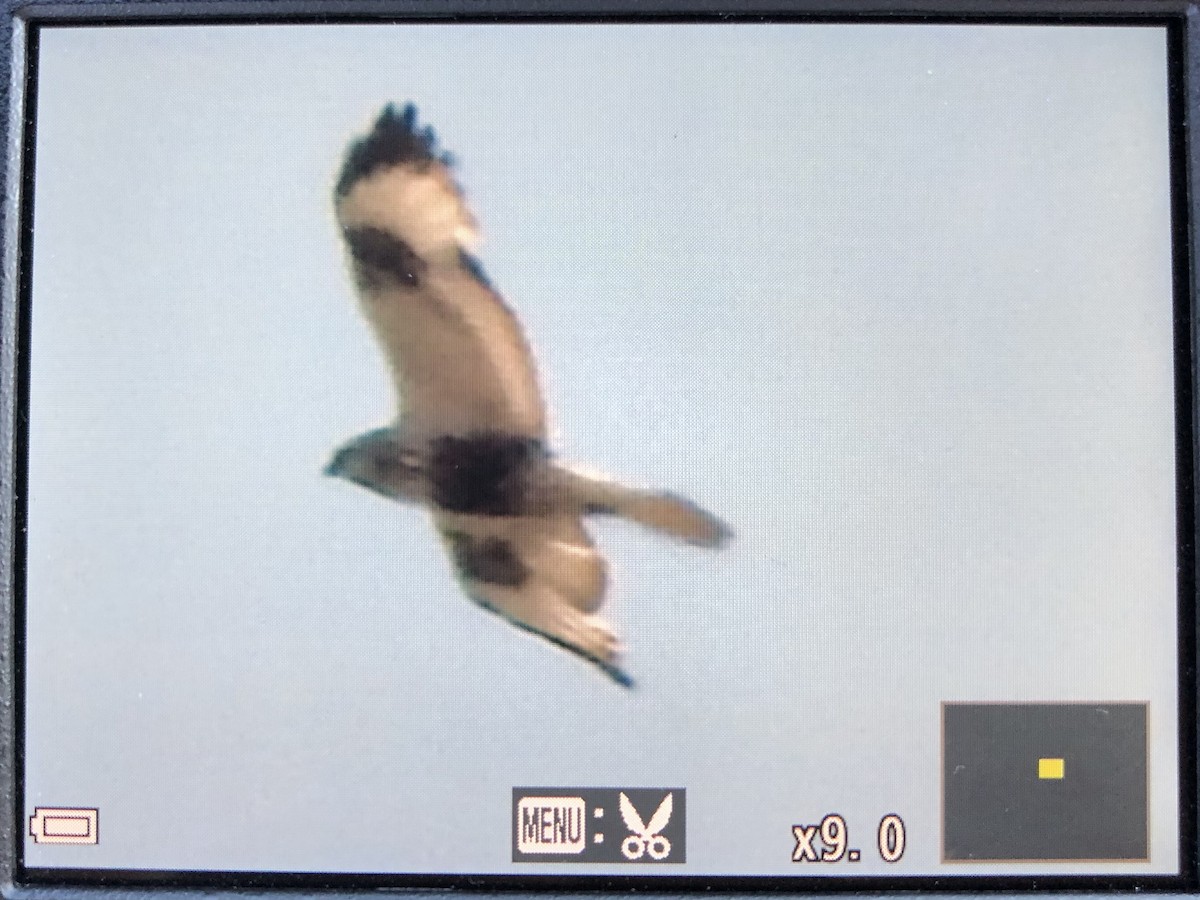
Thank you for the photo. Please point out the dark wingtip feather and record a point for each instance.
(612, 670)
(394, 139)
(617, 675)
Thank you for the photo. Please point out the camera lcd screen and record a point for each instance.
(601, 449)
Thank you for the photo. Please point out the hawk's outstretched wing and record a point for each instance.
(542, 573)
(457, 353)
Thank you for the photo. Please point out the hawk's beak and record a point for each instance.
(337, 465)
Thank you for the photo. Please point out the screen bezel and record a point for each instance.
(24, 23)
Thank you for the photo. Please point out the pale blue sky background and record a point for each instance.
(894, 301)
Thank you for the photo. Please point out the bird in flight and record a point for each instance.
(470, 441)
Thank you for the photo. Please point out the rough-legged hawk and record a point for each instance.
(470, 442)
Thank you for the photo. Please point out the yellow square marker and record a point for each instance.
(1051, 768)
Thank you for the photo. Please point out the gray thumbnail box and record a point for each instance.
(1024, 781)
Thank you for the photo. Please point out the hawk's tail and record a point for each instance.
(676, 516)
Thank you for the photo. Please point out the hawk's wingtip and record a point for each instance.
(618, 675)
(406, 116)
(722, 535)
(611, 669)
(394, 139)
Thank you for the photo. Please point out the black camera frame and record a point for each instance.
(25, 20)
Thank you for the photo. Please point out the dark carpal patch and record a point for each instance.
(379, 253)
(475, 268)
(489, 560)
(486, 473)
(394, 140)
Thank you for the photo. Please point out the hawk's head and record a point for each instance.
(376, 461)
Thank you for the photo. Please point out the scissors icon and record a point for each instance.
(646, 837)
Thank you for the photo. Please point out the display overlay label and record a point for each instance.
(599, 825)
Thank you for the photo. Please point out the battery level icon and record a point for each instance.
(64, 825)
